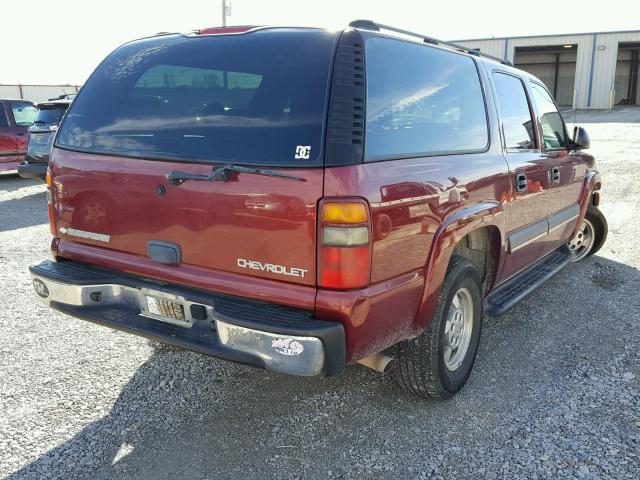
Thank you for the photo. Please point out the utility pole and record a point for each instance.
(224, 12)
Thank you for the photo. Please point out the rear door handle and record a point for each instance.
(521, 182)
(555, 174)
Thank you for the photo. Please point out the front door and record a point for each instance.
(24, 114)
(528, 203)
(566, 169)
(8, 144)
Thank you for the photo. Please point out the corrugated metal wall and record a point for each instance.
(605, 66)
(543, 66)
(35, 93)
(592, 89)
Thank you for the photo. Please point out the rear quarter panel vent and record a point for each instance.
(346, 119)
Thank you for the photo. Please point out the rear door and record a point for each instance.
(192, 104)
(528, 205)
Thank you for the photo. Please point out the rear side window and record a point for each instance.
(421, 101)
(517, 124)
(554, 134)
(24, 113)
(256, 98)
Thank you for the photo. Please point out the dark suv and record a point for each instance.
(298, 199)
(41, 135)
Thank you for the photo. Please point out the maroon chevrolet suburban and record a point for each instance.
(298, 199)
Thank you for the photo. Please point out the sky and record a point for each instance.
(62, 41)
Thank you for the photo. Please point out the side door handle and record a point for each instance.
(555, 174)
(521, 182)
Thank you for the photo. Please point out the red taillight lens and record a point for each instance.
(51, 211)
(344, 256)
(344, 267)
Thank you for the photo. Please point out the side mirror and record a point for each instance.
(581, 139)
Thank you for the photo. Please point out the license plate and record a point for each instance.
(39, 138)
(166, 311)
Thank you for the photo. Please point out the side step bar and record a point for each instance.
(524, 283)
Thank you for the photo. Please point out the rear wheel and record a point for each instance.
(438, 363)
(591, 236)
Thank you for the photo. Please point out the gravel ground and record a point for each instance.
(554, 394)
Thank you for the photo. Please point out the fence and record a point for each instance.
(35, 93)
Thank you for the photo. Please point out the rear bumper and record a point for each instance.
(279, 339)
(8, 166)
(37, 171)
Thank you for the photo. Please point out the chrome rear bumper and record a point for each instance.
(219, 325)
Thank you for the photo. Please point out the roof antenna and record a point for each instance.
(575, 101)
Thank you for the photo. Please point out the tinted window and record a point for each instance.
(554, 134)
(48, 115)
(3, 117)
(421, 101)
(514, 112)
(24, 113)
(236, 98)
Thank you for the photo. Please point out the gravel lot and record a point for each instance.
(554, 394)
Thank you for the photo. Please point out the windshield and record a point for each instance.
(256, 98)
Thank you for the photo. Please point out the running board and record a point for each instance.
(524, 283)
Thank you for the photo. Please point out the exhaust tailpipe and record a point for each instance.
(378, 362)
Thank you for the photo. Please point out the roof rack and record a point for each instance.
(371, 25)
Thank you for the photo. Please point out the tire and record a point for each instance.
(594, 225)
(420, 366)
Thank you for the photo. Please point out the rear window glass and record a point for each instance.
(421, 101)
(48, 115)
(257, 98)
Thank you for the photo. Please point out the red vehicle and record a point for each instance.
(298, 200)
(16, 116)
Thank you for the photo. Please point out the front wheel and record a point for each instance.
(438, 363)
(591, 235)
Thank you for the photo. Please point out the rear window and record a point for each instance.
(421, 101)
(256, 98)
(50, 115)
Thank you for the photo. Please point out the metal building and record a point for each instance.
(582, 70)
(35, 93)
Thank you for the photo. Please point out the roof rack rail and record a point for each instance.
(371, 25)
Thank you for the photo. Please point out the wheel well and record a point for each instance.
(482, 248)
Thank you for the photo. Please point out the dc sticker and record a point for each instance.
(303, 152)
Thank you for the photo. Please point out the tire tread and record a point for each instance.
(416, 360)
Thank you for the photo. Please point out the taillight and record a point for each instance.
(52, 220)
(344, 254)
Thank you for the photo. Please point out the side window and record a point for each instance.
(554, 133)
(24, 113)
(517, 124)
(421, 101)
(4, 122)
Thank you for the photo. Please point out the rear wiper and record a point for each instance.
(225, 173)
